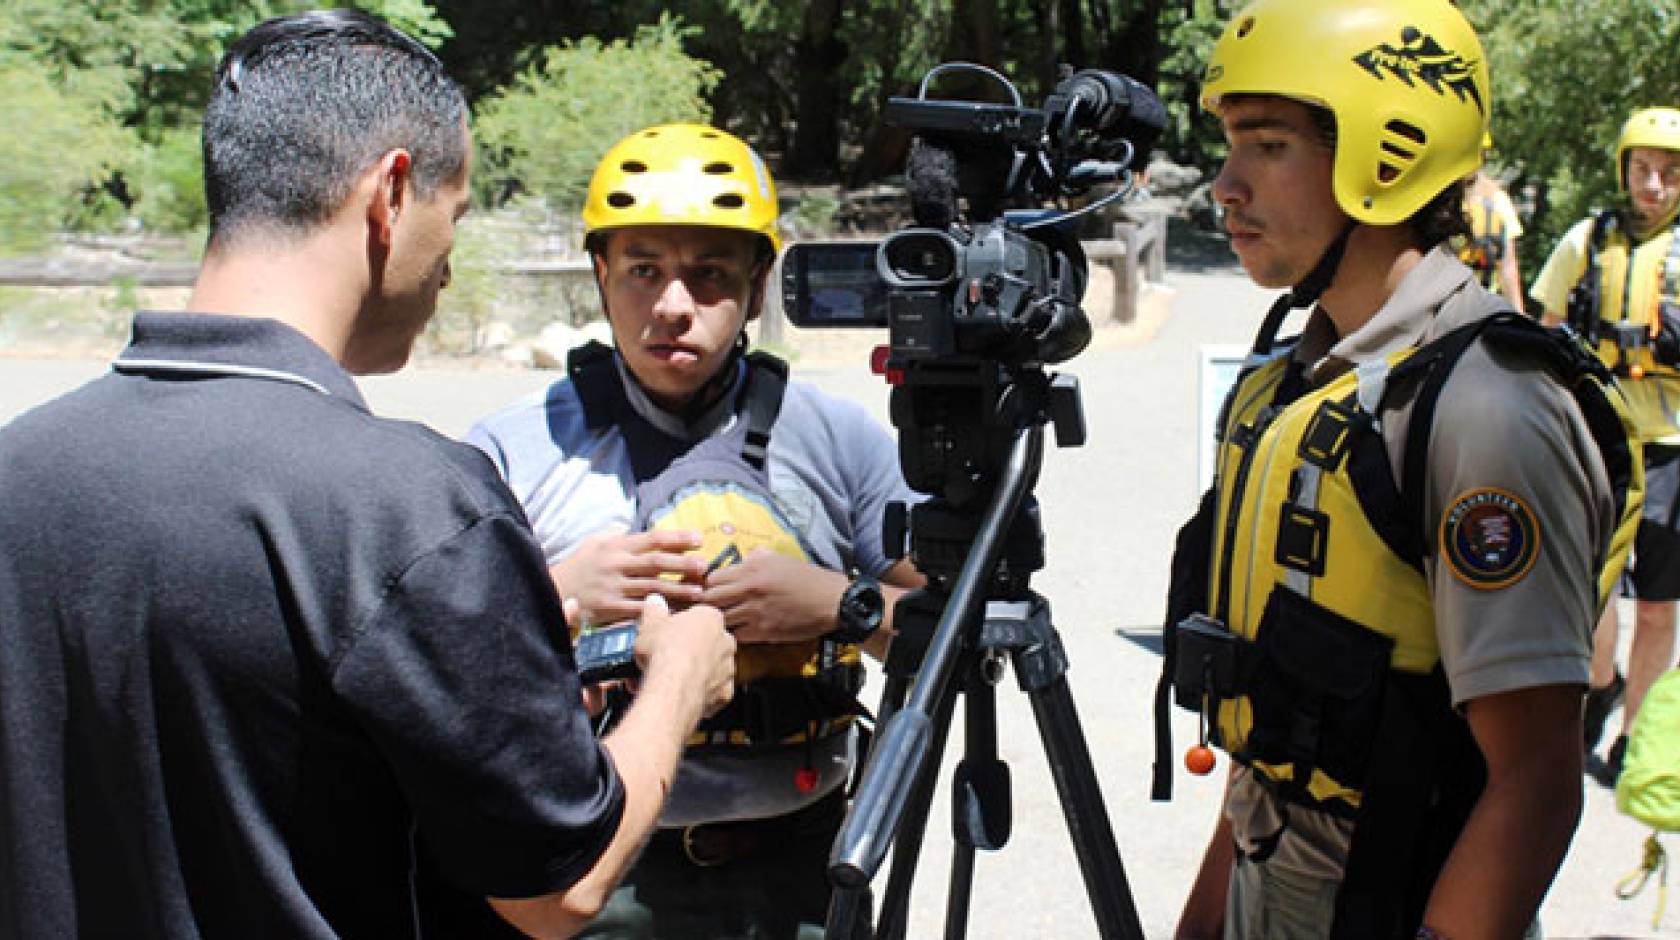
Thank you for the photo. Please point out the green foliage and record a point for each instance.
(814, 215)
(1565, 77)
(1191, 134)
(414, 17)
(109, 97)
(548, 129)
(168, 182)
(69, 141)
(476, 286)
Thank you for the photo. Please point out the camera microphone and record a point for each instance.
(1115, 105)
(931, 183)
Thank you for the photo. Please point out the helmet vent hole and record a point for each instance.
(1396, 150)
(1245, 27)
(709, 135)
(633, 166)
(729, 201)
(620, 199)
(1387, 173)
(1409, 131)
(720, 168)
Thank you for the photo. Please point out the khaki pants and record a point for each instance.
(1268, 904)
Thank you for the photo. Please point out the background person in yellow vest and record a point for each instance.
(1491, 247)
(1369, 675)
(681, 223)
(1616, 277)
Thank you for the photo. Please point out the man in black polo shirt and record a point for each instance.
(259, 644)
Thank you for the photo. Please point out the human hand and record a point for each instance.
(771, 598)
(611, 573)
(692, 647)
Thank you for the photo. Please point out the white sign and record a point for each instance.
(1215, 375)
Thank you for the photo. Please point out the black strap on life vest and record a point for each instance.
(594, 373)
(1426, 778)
(1429, 773)
(1432, 365)
(1193, 550)
(1584, 298)
(1422, 783)
(767, 378)
(1489, 243)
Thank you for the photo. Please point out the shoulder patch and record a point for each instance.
(1489, 538)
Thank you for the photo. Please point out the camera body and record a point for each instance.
(940, 292)
(977, 298)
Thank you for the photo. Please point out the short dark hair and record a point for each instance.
(303, 104)
(1441, 218)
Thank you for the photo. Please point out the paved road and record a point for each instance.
(1110, 509)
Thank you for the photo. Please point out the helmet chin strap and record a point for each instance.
(1306, 291)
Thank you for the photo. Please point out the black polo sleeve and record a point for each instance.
(463, 678)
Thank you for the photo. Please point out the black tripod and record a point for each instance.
(951, 641)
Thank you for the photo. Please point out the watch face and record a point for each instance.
(863, 608)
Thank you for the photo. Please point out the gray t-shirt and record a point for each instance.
(833, 469)
(1502, 424)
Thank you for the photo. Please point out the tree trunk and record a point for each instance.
(974, 33)
(1134, 46)
(1073, 34)
(816, 139)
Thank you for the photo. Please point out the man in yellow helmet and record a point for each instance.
(677, 463)
(1491, 247)
(1615, 278)
(1383, 609)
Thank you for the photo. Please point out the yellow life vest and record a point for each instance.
(719, 487)
(1484, 248)
(1616, 305)
(1316, 605)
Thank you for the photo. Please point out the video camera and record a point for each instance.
(976, 298)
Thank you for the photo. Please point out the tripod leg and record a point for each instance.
(979, 793)
(849, 916)
(1041, 668)
(907, 844)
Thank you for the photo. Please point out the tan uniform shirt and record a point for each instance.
(1500, 423)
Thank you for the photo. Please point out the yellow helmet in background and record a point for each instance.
(1656, 128)
(1407, 83)
(682, 174)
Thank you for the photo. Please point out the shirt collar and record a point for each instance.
(249, 347)
(713, 420)
(1403, 320)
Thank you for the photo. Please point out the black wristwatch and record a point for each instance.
(862, 608)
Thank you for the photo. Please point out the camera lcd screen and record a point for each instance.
(833, 284)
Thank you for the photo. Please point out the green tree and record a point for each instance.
(64, 139)
(108, 97)
(544, 133)
(1565, 77)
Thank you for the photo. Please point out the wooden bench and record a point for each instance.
(64, 272)
(1141, 244)
(1135, 245)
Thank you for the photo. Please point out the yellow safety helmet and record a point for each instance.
(1657, 128)
(682, 174)
(1407, 84)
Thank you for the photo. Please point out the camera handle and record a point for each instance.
(951, 645)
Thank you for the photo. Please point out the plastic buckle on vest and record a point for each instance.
(756, 449)
(1328, 435)
(1303, 535)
